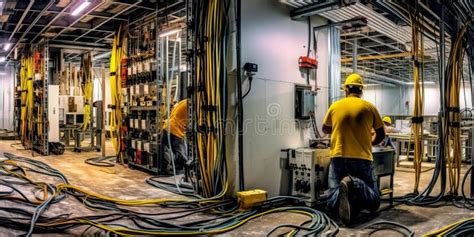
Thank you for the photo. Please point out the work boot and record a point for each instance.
(345, 187)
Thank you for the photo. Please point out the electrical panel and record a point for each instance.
(141, 90)
(53, 113)
(304, 102)
(309, 169)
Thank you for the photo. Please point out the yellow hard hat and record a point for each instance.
(353, 80)
(387, 119)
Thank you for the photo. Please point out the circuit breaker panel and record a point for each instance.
(142, 98)
(309, 169)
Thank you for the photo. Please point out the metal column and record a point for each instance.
(354, 56)
(334, 70)
(45, 100)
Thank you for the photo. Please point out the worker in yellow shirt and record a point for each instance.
(173, 139)
(352, 182)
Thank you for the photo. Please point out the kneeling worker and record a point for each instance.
(352, 182)
(175, 129)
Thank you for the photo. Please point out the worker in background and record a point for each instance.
(175, 128)
(352, 182)
(387, 141)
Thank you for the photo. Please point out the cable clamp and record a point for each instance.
(202, 128)
(454, 109)
(417, 119)
(206, 129)
(201, 87)
(113, 74)
(210, 108)
(190, 53)
(454, 124)
(417, 63)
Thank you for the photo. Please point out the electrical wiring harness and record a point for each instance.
(210, 94)
(164, 216)
(87, 87)
(449, 153)
(116, 117)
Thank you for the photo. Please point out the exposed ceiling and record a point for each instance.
(28, 21)
(385, 44)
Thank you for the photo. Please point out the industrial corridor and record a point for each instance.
(236, 118)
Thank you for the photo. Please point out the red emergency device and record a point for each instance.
(307, 62)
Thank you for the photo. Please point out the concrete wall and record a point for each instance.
(275, 42)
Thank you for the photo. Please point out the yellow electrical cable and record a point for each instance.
(127, 231)
(87, 88)
(453, 152)
(417, 125)
(447, 228)
(116, 129)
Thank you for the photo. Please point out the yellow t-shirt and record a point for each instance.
(178, 120)
(352, 120)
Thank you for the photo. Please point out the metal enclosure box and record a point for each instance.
(383, 161)
(309, 169)
(53, 113)
(304, 102)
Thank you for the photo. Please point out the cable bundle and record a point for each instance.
(26, 85)
(87, 87)
(210, 97)
(417, 50)
(461, 228)
(165, 216)
(118, 53)
(451, 125)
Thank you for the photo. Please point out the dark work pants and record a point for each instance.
(178, 148)
(364, 194)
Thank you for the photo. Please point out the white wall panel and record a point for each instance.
(7, 97)
(431, 104)
(386, 99)
(275, 42)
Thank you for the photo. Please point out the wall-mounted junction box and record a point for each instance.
(304, 102)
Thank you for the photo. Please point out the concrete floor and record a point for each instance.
(124, 183)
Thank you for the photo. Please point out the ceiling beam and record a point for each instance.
(107, 20)
(93, 8)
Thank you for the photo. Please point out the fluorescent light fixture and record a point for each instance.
(3, 59)
(80, 8)
(2, 74)
(426, 83)
(102, 55)
(169, 32)
(7, 46)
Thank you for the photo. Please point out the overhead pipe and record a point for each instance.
(383, 56)
(51, 2)
(17, 26)
(77, 47)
